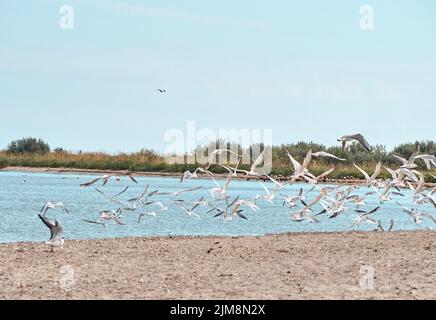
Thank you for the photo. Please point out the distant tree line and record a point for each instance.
(28, 145)
(355, 153)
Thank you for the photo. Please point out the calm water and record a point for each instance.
(23, 194)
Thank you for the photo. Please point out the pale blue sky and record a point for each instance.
(302, 68)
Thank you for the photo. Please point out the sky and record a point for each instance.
(304, 69)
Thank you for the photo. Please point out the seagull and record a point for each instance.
(292, 200)
(127, 206)
(304, 214)
(363, 217)
(56, 231)
(161, 90)
(232, 171)
(385, 195)
(419, 188)
(106, 178)
(111, 215)
(300, 170)
(355, 137)
(395, 181)
(279, 185)
(193, 175)
(95, 222)
(269, 196)
(218, 190)
(357, 200)
(150, 213)
(142, 197)
(176, 193)
(249, 203)
(190, 211)
(212, 157)
(236, 203)
(334, 208)
(407, 163)
(256, 163)
(430, 199)
(312, 179)
(428, 159)
(50, 205)
(326, 154)
(416, 214)
(372, 179)
(114, 196)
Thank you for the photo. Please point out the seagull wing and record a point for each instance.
(264, 186)
(326, 173)
(377, 171)
(295, 163)
(361, 139)
(363, 172)
(87, 184)
(132, 178)
(258, 161)
(307, 160)
(326, 154)
(120, 193)
(371, 211)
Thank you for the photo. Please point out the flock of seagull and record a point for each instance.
(333, 200)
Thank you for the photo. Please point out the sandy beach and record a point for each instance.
(285, 266)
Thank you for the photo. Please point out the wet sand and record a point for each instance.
(286, 266)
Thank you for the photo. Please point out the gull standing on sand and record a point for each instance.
(355, 137)
(56, 231)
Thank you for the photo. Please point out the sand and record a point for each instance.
(285, 266)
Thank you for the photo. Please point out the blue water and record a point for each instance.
(23, 194)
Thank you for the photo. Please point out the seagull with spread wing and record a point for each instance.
(355, 137)
(56, 231)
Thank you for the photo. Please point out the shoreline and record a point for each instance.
(61, 170)
(191, 237)
(282, 266)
